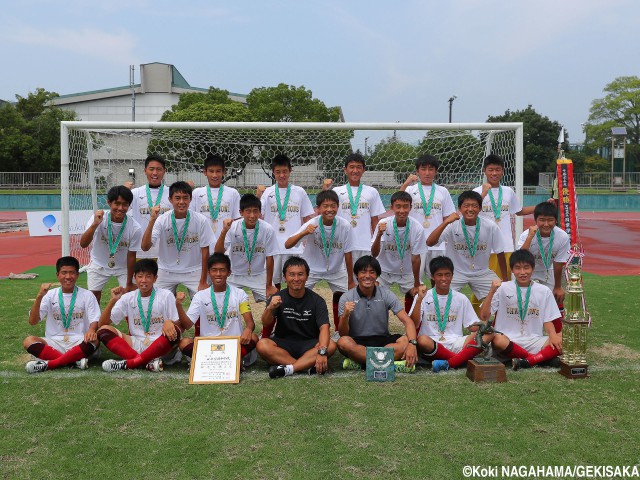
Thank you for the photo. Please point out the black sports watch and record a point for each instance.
(414, 342)
(322, 351)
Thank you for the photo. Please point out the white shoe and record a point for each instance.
(36, 366)
(82, 364)
(155, 365)
(114, 365)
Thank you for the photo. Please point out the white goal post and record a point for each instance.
(98, 155)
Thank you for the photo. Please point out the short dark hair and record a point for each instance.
(440, 263)
(120, 191)
(401, 197)
(469, 195)
(214, 160)
(365, 262)
(155, 157)
(327, 195)
(295, 262)
(522, 256)
(146, 265)
(354, 157)
(219, 258)
(281, 160)
(493, 159)
(427, 159)
(67, 262)
(180, 187)
(249, 200)
(545, 209)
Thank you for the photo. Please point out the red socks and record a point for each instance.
(547, 353)
(268, 330)
(43, 352)
(72, 356)
(467, 353)
(160, 346)
(441, 353)
(116, 344)
(244, 349)
(514, 350)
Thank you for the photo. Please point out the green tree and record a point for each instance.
(287, 103)
(540, 141)
(393, 154)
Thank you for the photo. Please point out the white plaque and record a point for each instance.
(215, 360)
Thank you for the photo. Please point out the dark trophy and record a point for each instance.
(485, 368)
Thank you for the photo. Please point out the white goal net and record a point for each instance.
(99, 155)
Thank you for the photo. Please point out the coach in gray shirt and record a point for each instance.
(364, 319)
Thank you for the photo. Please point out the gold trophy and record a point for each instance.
(573, 361)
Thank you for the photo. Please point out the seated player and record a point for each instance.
(72, 315)
(219, 310)
(364, 320)
(398, 243)
(442, 314)
(250, 243)
(327, 249)
(114, 239)
(301, 339)
(215, 200)
(470, 239)
(360, 205)
(183, 238)
(522, 309)
(152, 318)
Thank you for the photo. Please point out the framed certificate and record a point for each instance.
(215, 360)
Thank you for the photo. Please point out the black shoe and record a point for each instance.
(276, 371)
(518, 363)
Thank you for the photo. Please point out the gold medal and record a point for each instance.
(497, 220)
(281, 229)
(426, 224)
(472, 266)
(146, 339)
(354, 222)
(112, 261)
(249, 270)
(66, 335)
(178, 260)
(401, 269)
(441, 339)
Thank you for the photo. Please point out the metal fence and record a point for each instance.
(597, 180)
(29, 180)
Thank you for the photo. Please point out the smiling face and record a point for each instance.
(494, 174)
(426, 174)
(522, 271)
(215, 175)
(296, 277)
(328, 210)
(145, 281)
(180, 202)
(545, 224)
(155, 173)
(282, 174)
(442, 279)
(401, 209)
(118, 208)
(470, 209)
(367, 278)
(67, 276)
(251, 216)
(218, 273)
(354, 172)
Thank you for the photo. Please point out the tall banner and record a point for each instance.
(567, 200)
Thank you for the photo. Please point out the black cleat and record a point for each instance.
(276, 371)
(518, 363)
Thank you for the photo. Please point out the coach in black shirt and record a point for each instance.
(301, 339)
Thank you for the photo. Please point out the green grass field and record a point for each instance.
(67, 423)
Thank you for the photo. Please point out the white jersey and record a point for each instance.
(313, 252)
(189, 258)
(202, 309)
(140, 211)
(85, 312)
(299, 206)
(441, 208)
(164, 308)
(370, 205)
(510, 206)
(389, 258)
(559, 253)
(129, 242)
(234, 246)
(229, 207)
(461, 315)
(542, 308)
(489, 239)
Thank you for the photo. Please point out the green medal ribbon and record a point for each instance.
(146, 320)
(220, 319)
(113, 245)
(353, 204)
(442, 321)
(472, 250)
(326, 246)
(179, 241)
(546, 255)
(66, 319)
(523, 311)
(249, 251)
(401, 249)
(497, 209)
(158, 198)
(426, 208)
(214, 211)
(282, 209)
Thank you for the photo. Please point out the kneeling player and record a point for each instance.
(523, 308)
(218, 310)
(442, 313)
(301, 339)
(154, 327)
(364, 320)
(72, 320)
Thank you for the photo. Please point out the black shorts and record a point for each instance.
(295, 346)
(376, 340)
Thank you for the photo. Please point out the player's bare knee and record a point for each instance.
(30, 340)
(345, 343)
(500, 342)
(184, 343)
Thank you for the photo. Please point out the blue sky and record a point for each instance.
(380, 61)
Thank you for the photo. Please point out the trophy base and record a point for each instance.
(490, 371)
(574, 371)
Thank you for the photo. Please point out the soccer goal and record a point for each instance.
(98, 155)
